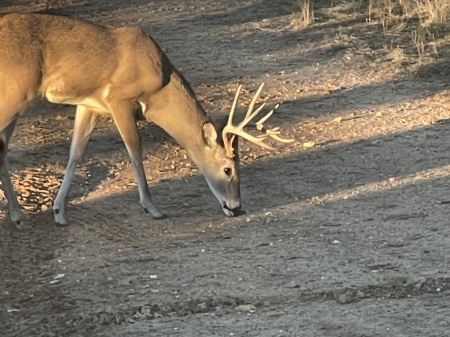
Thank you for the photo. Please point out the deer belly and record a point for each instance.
(60, 94)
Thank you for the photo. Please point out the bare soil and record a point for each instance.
(346, 232)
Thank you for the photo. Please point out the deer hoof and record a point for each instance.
(20, 224)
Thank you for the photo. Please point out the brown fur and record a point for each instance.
(105, 70)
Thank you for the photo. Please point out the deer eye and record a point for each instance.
(227, 171)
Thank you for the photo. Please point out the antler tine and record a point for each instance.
(233, 106)
(252, 103)
(228, 143)
(249, 118)
(259, 124)
(272, 133)
(255, 140)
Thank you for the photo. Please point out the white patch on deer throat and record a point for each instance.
(143, 107)
(106, 91)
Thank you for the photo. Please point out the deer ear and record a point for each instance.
(209, 134)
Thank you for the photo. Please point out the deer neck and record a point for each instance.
(175, 109)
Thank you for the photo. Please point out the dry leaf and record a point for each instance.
(337, 120)
(308, 145)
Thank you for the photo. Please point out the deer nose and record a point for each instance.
(236, 211)
(232, 211)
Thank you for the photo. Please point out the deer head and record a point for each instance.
(220, 162)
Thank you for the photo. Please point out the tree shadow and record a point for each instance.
(395, 91)
(65, 7)
(378, 232)
(106, 147)
(280, 181)
(279, 184)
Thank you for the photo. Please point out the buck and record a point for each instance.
(106, 70)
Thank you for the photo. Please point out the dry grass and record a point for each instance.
(428, 12)
(306, 11)
(421, 17)
(416, 27)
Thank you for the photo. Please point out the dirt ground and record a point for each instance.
(346, 231)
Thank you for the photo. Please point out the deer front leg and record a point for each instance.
(126, 124)
(85, 121)
(10, 194)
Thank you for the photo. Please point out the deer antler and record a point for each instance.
(238, 130)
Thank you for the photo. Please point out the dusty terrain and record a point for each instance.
(346, 232)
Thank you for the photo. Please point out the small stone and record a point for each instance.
(202, 306)
(246, 308)
(344, 298)
(293, 284)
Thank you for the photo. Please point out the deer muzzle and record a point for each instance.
(236, 211)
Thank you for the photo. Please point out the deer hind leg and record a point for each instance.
(10, 194)
(85, 121)
(126, 124)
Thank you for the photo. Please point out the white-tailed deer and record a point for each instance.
(106, 70)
